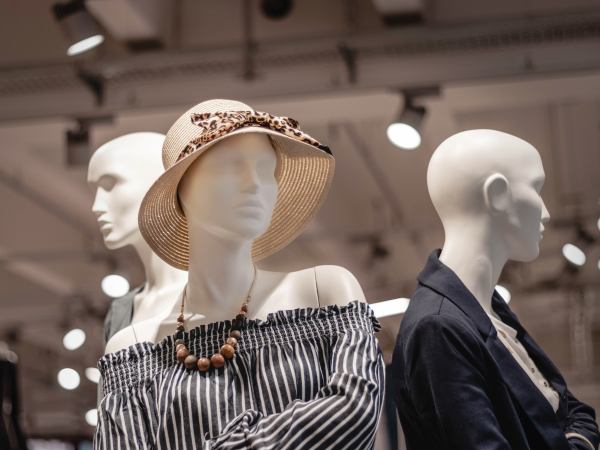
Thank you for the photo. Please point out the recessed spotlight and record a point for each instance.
(92, 374)
(91, 417)
(68, 379)
(74, 339)
(573, 254)
(504, 293)
(390, 307)
(115, 285)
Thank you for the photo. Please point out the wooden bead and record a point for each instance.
(240, 317)
(227, 351)
(179, 341)
(203, 364)
(179, 347)
(235, 334)
(182, 353)
(232, 341)
(245, 307)
(217, 360)
(190, 362)
(237, 324)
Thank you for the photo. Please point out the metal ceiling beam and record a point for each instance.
(405, 58)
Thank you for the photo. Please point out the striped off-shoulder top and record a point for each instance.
(308, 378)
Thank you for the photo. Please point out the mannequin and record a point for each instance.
(121, 172)
(228, 196)
(473, 353)
(255, 359)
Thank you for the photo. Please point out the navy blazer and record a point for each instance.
(456, 386)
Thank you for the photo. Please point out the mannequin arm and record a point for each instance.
(448, 387)
(344, 414)
(582, 430)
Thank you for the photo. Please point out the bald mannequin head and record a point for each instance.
(121, 171)
(490, 181)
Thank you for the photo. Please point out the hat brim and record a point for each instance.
(304, 176)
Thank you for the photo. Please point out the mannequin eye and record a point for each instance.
(107, 182)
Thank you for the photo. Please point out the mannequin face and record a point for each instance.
(121, 171)
(526, 213)
(231, 190)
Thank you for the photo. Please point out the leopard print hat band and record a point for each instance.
(214, 125)
(305, 170)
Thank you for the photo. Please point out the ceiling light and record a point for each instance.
(68, 379)
(78, 25)
(573, 254)
(92, 374)
(504, 293)
(405, 131)
(390, 307)
(74, 339)
(91, 417)
(115, 286)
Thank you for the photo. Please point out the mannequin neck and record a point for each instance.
(219, 276)
(158, 274)
(471, 251)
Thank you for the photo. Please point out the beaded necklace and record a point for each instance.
(227, 350)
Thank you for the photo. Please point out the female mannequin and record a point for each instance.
(121, 171)
(294, 379)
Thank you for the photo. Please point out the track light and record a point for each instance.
(405, 131)
(78, 25)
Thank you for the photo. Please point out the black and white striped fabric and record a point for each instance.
(302, 379)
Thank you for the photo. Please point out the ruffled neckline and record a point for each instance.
(276, 318)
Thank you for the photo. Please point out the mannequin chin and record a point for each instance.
(239, 174)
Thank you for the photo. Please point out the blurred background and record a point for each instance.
(77, 74)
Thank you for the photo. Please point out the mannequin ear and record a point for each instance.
(496, 193)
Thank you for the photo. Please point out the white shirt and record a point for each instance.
(508, 336)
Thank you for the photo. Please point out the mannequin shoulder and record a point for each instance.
(316, 286)
(336, 285)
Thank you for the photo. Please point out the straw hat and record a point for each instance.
(304, 172)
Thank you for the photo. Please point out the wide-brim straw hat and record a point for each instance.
(304, 172)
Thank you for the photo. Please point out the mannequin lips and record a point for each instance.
(104, 225)
(250, 204)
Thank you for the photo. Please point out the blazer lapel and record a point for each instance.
(546, 366)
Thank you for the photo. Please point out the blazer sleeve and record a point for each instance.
(581, 420)
(344, 414)
(446, 381)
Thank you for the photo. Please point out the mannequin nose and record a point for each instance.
(251, 181)
(97, 208)
(545, 214)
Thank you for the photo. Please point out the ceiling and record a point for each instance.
(545, 90)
